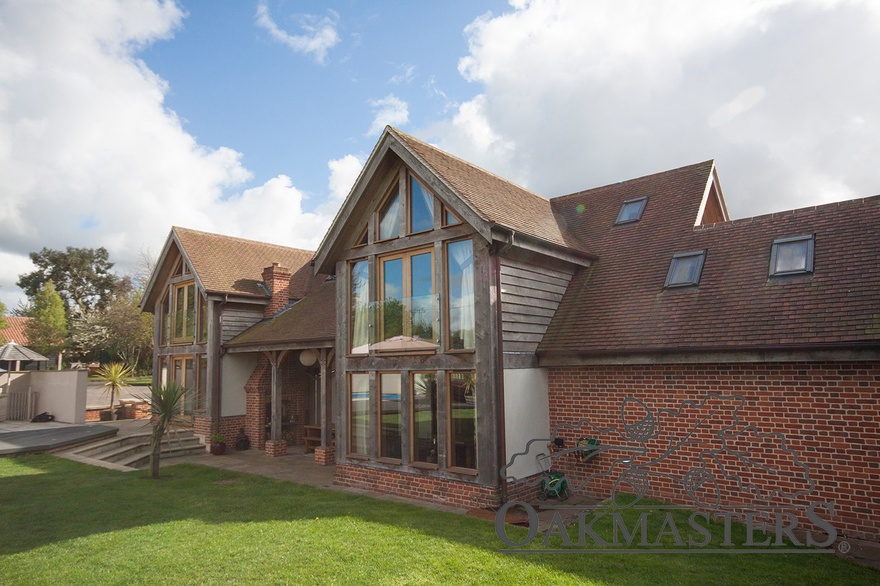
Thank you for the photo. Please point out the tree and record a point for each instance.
(115, 376)
(165, 403)
(121, 329)
(3, 323)
(47, 330)
(81, 275)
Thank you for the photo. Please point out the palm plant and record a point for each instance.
(115, 376)
(165, 404)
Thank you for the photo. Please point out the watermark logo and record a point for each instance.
(700, 452)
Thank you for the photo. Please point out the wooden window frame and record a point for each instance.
(185, 338)
(412, 418)
(409, 207)
(450, 437)
(401, 431)
(447, 314)
(406, 293)
(349, 452)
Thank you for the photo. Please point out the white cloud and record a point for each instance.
(91, 156)
(390, 110)
(406, 74)
(320, 37)
(576, 94)
(343, 173)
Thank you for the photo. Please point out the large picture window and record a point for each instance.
(463, 420)
(406, 299)
(358, 413)
(390, 416)
(424, 417)
(460, 295)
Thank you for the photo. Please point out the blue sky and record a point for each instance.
(121, 118)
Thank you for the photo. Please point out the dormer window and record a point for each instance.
(685, 269)
(631, 210)
(792, 256)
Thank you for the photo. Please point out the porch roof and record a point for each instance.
(310, 322)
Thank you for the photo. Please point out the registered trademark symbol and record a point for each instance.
(843, 547)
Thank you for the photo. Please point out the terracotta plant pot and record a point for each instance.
(218, 449)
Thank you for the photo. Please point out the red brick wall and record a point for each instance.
(419, 487)
(257, 390)
(295, 384)
(277, 280)
(829, 414)
(229, 426)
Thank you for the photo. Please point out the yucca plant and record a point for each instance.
(165, 404)
(115, 376)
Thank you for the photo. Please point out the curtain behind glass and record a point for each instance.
(461, 294)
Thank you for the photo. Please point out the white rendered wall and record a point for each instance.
(235, 369)
(61, 393)
(526, 417)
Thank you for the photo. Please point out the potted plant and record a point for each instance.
(218, 444)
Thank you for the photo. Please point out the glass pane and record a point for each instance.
(189, 382)
(203, 318)
(190, 311)
(360, 303)
(460, 279)
(424, 393)
(389, 218)
(449, 219)
(359, 413)
(392, 298)
(631, 211)
(179, 312)
(166, 319)
(684, 270)
(389, 416)
(463, 420)
(421, 207)
(791, 256)
(201, 397)
(422, 309)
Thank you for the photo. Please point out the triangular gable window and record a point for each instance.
(362, 241)
(449, 218)
(421, 207)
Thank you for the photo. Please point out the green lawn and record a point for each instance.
(68, 523)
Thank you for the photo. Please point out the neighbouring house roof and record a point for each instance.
(309, 321)
(15, 332)
(619, 304)
(229, 265)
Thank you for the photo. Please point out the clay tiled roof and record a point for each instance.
(492, 198)
(16, 330)
(225, 264)
(619, 305)
(311, 319)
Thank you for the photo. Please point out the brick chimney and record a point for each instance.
(277, 281)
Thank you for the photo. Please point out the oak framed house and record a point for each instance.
(453, 317)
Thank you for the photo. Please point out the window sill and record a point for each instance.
(462, 471)
(362, 457)
(425, 466)
(394, 461)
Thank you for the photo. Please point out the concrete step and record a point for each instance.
(142, 459)
(132, 451)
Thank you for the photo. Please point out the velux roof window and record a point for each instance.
(792, 256)
(685, 269)
(631, 210)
